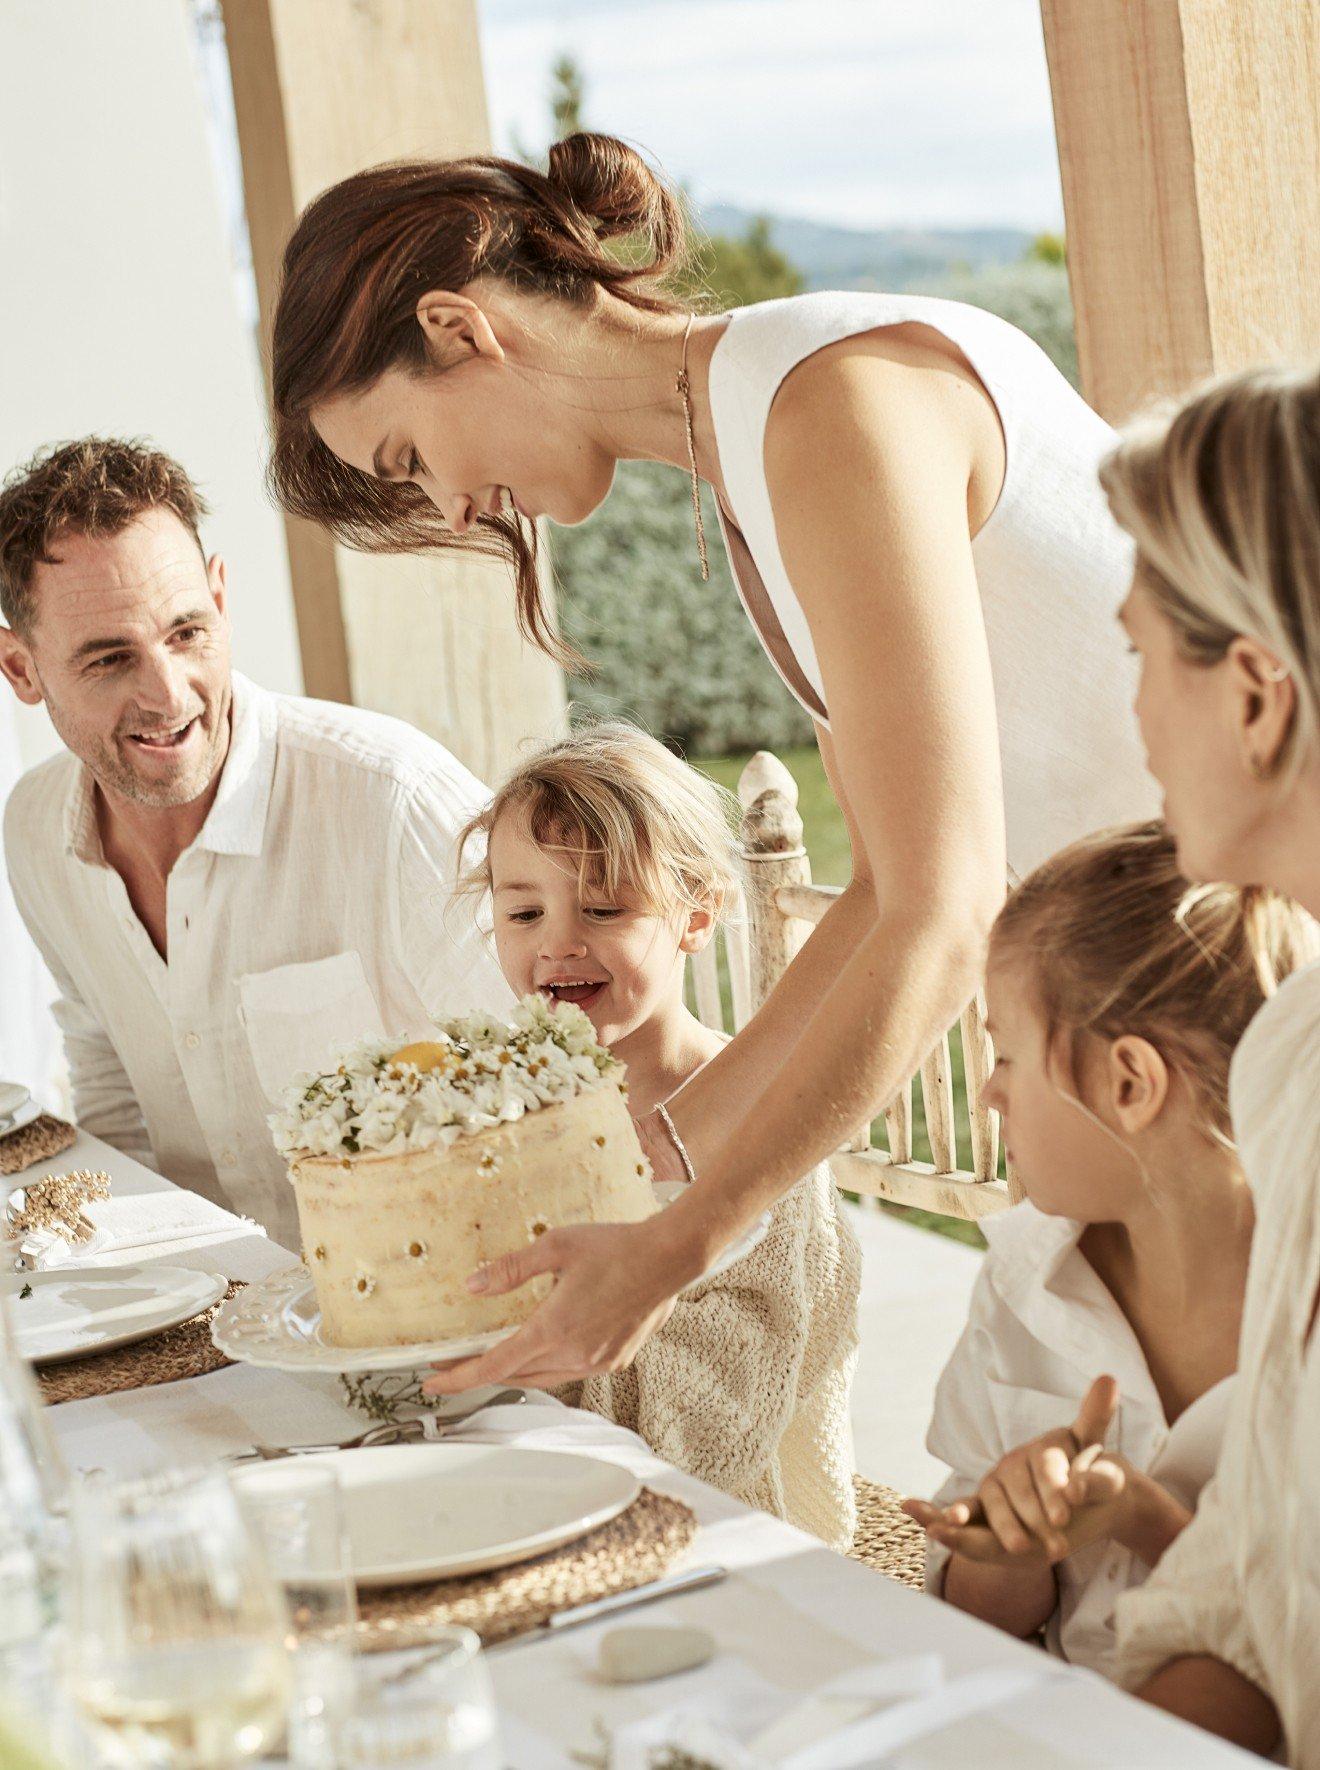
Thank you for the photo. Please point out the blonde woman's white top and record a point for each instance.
(1051, 563)
(1242, 1582)
(1041, 1327)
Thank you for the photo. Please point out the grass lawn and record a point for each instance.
(826, 842)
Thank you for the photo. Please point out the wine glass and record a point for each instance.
(435, 1714)
(175, 1630)
(295, 1511)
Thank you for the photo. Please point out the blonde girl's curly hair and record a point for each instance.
(1115, 941)
(1222, 497)
(627, 813)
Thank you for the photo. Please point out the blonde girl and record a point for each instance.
(1223, 502)
(1117, 995)
(608, 862)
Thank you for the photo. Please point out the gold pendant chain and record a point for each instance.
(685, 394)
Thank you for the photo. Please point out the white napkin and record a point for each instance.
(140, 1220)
(856, 1722)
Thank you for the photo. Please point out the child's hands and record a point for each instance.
(1042, 1501)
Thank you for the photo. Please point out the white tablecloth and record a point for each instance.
(791, 1617)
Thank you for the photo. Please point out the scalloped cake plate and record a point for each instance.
(274, 1321)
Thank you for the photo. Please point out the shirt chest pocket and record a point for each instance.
(297, 1015)
(1021, 1414)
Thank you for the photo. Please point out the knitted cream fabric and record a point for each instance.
(747, 1385)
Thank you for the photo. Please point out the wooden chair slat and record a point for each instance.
(705, 967)
(916, 1183)
(937, 1098)
(978, 1060)
(807, 902)
(898, 1124)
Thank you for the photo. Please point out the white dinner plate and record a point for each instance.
(274, 1321)
(76, 1310)
(432, 1511)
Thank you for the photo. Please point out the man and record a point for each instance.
(225, 883)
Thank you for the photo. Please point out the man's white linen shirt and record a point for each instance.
(1242, 1582)
(1042, 1325)
(315, 907)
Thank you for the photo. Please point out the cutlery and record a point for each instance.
(426, 1428)
(669, 1587)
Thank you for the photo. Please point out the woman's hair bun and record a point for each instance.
(613, 187)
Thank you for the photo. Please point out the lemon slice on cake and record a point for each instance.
(425, 1054)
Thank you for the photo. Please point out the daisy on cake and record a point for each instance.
(413, 1165)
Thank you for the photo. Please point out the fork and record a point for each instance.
(428, 1428)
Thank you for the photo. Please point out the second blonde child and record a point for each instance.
(1117, 995)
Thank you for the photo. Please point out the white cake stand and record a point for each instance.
(275, 1322)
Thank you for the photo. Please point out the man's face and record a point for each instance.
(129, 650)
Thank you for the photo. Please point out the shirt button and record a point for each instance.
(228, 1158)
(192, 1040)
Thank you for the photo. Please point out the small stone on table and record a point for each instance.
(636, 1655)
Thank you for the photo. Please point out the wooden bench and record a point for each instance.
(780, 908)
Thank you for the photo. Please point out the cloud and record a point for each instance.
(864, 112)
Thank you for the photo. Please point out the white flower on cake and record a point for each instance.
(477, 1072)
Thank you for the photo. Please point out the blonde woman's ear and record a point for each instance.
(1138, 1083)
(1265, 705)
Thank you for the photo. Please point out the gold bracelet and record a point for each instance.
(678, 1143)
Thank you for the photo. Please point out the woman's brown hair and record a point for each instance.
(1116, 941)
(365, 252)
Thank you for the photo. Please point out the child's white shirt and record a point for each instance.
(1041, 1327)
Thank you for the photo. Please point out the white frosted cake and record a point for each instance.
(414, 1165)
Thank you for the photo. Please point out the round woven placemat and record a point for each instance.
(44, 1137)
(887, 1539)
(183, 1351)
(631, 1549)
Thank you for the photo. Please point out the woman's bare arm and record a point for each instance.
(869, 485)
(868, 467)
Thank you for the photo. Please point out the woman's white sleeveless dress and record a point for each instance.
(1051, 563)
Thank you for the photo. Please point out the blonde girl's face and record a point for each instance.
(554, 936)
(1068, 1165)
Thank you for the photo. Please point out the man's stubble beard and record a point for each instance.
(112, 770)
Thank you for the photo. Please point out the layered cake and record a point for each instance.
(414, 1165)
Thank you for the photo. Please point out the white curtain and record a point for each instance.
(29, 1038)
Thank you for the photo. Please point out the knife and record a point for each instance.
(586, 1613)
(598, 1607)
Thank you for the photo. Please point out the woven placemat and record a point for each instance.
(887, 1539)
(631, 1549)
(183, 1351)
(44, 1137)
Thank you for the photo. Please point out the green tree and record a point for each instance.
(567, 92)
(1047, 248)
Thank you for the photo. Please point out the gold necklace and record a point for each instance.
(685, 394)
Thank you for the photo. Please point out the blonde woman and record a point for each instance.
(1223, 501)
(907, 492)
(606, 862)
(1117, 994)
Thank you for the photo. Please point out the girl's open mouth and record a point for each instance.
(581, 993)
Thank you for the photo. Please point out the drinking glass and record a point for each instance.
(295, 1512)
(438, 1714)
(174, 1629)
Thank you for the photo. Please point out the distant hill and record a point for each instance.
(884, 258)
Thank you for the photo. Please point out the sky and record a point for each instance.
(865, 113)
